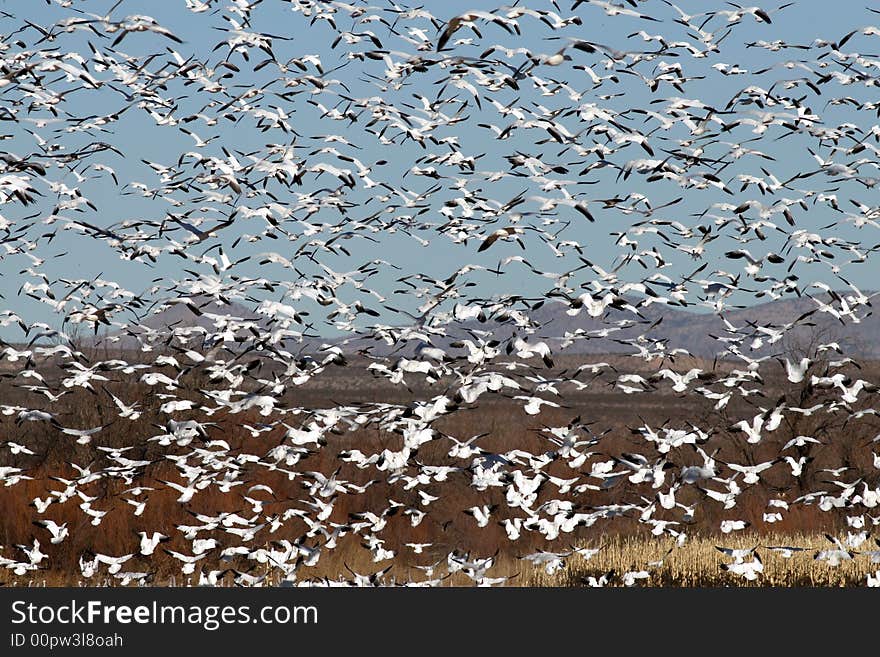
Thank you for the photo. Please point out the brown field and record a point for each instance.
(626, 543)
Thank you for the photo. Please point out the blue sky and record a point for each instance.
(139, 137)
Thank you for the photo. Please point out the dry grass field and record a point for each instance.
(626, 544)
(699, 563)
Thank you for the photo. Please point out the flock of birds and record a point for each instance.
(367, 178)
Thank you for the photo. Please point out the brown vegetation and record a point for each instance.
(446, 528)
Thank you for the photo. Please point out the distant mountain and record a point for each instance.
(677, 327)
(202, 316)
(698, 332)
